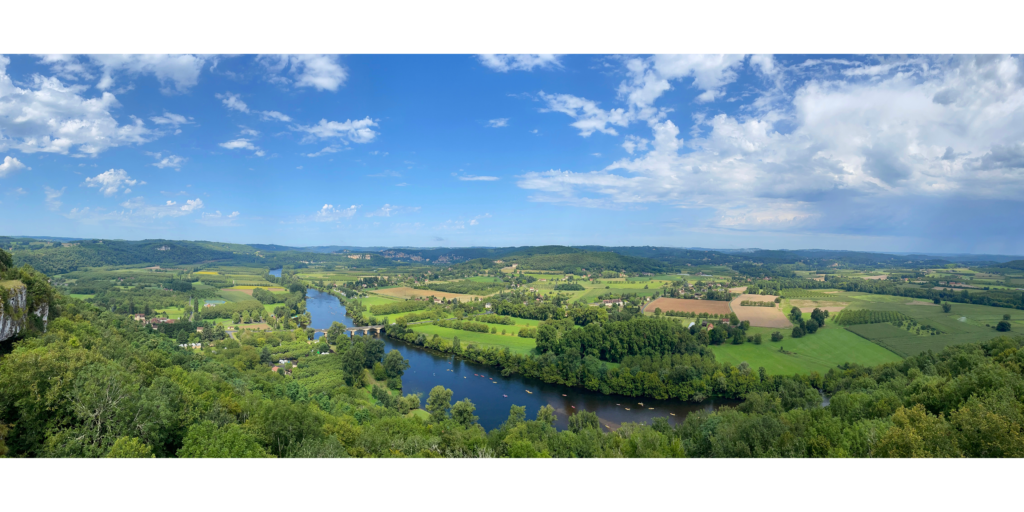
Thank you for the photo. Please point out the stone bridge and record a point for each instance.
(365, 330)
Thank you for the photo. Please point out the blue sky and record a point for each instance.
(918, 153)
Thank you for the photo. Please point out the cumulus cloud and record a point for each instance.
(358, 131)
(47, 116)
(53, 197)
(504, 63)
(174, 120)
(498, 123)
(233, 102)
(935, 127)
(111, 182)
(179, 71)
(589, 117)
(330, 214)
(322, 72)
(242, 144)
(10, 164)
(172, 161)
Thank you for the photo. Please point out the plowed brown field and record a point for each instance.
(719, 307)
(760, 316)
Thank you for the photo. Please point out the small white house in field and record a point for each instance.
(487, 305)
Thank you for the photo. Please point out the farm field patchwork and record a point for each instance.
(965, 323)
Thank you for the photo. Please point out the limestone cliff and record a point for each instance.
(14, 313)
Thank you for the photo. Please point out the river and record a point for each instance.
(487, 389)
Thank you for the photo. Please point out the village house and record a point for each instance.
(139, 317)
(611, 302)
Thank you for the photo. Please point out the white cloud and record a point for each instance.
(47, 116)
(478, 178)
(936, 127)
(218, 219)
(52, 197)
(110, 182)
(498, 123)
(357, 131)
(168, 118)
(135, 212)
(327, 150)
(330, 214)
(233, 102)
(634, 143)
(68, 67)
(504, 63)
(180, 70)
(173, 161)
(274, 115)
(322, 72)
(242, 144)
(589, 117)
(249, 131)
(476, 220)
(10, 164)
(388, 210)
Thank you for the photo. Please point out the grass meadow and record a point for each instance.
(513, 342)
(825, 349)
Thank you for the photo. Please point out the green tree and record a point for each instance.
(583, 420)
(438, 403)
(353, 361)
(546, 414)
(207, 440)
(462, 413)
(130, 448)
(394, 364)
(1003, 326)
(946, 307)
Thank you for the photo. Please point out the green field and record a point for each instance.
(82, 296)
(825, 349)
(965, 323)
(514, 343)
(234, 295)
(172, 312)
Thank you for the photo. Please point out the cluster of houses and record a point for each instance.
(190, 345)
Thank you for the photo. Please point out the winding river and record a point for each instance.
(494, 395)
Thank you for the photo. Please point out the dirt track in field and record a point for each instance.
(719, 307)
(760, 316)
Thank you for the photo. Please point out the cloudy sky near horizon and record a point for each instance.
(889, 153)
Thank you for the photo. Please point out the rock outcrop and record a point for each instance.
(14, 313)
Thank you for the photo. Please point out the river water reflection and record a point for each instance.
(487, 389)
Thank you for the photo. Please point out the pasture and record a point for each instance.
(718, 307)
(821, 351)
(513, 342)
